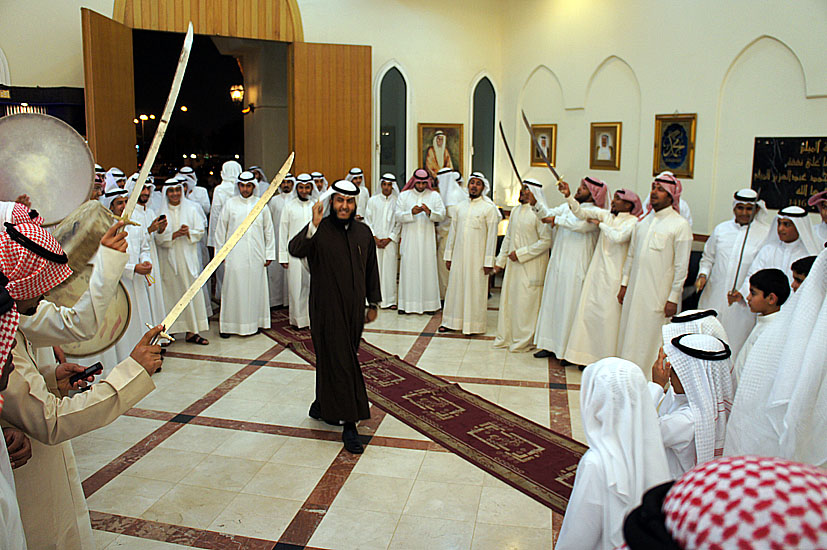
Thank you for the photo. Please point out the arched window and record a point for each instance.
(392, 124)
(482, 159)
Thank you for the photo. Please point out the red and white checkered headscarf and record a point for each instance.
(23, 214)
(742, 502)
(598, 189)
(29, 273)
(9, 319)
(749, 502)
(673, 186)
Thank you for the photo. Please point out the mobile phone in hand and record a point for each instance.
(97, 368)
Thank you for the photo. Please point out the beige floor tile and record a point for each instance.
(486, 347)
(438, 356)
(288, 356)
(396, 344)
(389, 461)
(311, 453)
(441, 500)
(449, 346)
(221, 472)
(284, 481)
(103, 538)
(375, 493)
(256, 516)
(214, 370)
(232, 408)
(170, 399)
(134, 543)
(391, 427)
(251, 446)
(128, 495)
(436, 366)
(195, 384)
(512, 396)
(287, 415)
(166, 464)
(339, 529)
(414, 533)
(491, 481)
(128, 429)
(508, 506)
(490, 392)
(255, 390)
(481, 365)
(196, 439)
(190, 506)
(93, 453)
(449, 468)
(487, 536)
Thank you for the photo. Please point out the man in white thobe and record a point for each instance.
(720, 261)
(320, 182)
(819, 200)
(297, 212)
(357, 178)
(653, 274)
(276, 274)
(418, 208)
(790, 237)
(178, 247)
(683, 209)
(245, 269)
(470, 254)
(524, 257)
(597, 320)
(221, 194)
(449, 185)
(262, 184)
(153, 224)
(571, 252)
(194, 193)
(133, 278)
(382, 222)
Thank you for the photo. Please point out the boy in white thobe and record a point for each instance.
(357, 178)
(178, 247)
(571, 254)
(243, 310)
(722, 254)
(276, 274)
(469, 256)
(297, 212)
(653, 274)
(418, 208)
(597, 320)
(524, 257)
(382, 222)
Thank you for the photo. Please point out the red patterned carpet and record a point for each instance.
(533, 459)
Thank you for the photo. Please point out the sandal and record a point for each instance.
(197, 339)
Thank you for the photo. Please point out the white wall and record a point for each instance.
(572, 62)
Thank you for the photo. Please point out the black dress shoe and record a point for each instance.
(564, 363)
(315, 411)
(542, 354)
(224, 334)
(350, 437)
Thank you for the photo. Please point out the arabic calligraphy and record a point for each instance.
(789, 170)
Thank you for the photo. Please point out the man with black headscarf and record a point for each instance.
(344, 274)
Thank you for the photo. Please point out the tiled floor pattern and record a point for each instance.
(223, 455)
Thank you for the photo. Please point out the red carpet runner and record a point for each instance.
(527, 456)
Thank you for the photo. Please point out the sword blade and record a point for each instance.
(508, 150)
(162, 125)
(539, 149)
(195, 287)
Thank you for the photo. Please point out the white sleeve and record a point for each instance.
(582, 527)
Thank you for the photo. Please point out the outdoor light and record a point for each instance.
(192, 156)
(24, 104)
(184, 108)
(248, 109)
(152, 117)
(143, 117)
(237, 157)
(135, 120)
(185, 156)
(237, 93)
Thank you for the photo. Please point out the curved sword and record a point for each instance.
(508, 150)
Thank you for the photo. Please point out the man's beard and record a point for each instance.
(340, 222)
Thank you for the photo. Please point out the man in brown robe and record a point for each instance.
(344, 274)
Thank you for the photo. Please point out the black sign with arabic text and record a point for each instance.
(789, 170)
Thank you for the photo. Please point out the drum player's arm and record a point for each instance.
(53, 325)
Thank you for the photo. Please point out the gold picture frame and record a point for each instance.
(452, 155)
(604, 145)
(675, 144)
(545, 133)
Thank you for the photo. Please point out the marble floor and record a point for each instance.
(223, 455)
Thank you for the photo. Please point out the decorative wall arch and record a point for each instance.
(5, 73)
(603, 64)
(261, 19)
(469, 135)
(410, 138)
(749, 47)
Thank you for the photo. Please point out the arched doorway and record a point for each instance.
(393, 126)
(482, 140)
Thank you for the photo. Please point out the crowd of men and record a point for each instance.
(597, 280)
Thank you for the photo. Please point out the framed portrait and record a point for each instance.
(604, 145)
(546, 135)
(675, 144)
(440, 146)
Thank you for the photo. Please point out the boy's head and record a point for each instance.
(801, 268)
(768, 290)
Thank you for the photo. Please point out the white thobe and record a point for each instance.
(180, 265)
(362, 200)
(677, 428)
(719, 263)
(243, 309)
(820, 234)
(596, 323)
(295, 215)
(382, 222)
(654, 272)
(471, 247)
(418, 278)
(137, 242)
(158, 309)
(11, 526)
(523, 280)
(778, 255)
(761, 324)
(221, 194)
(276, 276)
(200, 196)
(685, 211)
(571, 253)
